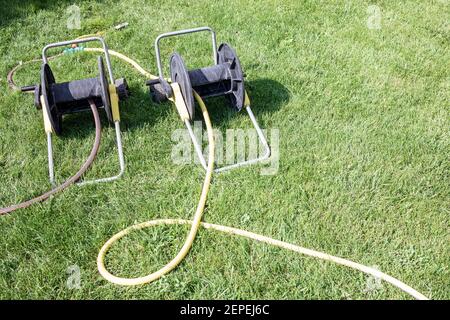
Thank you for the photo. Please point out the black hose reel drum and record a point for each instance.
(224, 78)
(59, 99)
(72, 97)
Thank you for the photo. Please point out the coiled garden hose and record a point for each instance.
(196, 222)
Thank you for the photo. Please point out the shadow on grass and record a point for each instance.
(135, 112)
(19, 9)
(267, 96)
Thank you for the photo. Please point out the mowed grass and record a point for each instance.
(363, 116)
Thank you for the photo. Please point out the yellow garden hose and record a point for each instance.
(196, 223)
(123, 57)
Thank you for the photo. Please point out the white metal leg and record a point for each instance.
(262, 138)
(121, 160)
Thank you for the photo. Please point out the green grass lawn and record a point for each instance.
(364, 171)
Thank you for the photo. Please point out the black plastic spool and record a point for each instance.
(226, 78)
(72, 97)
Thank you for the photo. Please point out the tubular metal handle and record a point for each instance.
(84, 40)
(181, 32)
